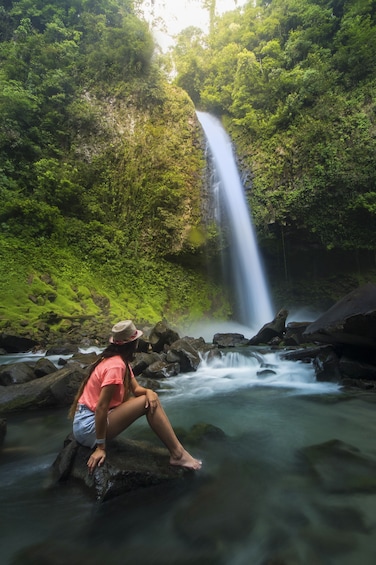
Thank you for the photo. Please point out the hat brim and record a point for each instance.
(138, 334)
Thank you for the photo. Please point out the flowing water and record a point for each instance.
(252, 503)
(246, 269)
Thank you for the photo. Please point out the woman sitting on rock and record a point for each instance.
(110, 399)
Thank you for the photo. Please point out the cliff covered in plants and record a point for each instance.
(101, 169)
(294, 81)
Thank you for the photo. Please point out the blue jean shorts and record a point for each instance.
(84, 426)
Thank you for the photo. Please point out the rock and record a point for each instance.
(143, 360)
(85, 359)
(57, 389)
(306, 354)
(356, 369)
(162, 335)
(3, 431)
(326, 365)
(129, 465)
(161, 370)
(44, 367)
(16, 344)
(294, 333)
(229, 340)
(188, 357)
(340, 467)
(16, 373)
(62, 349)
(275, 328)
(352, 320)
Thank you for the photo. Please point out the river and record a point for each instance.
(252, 503)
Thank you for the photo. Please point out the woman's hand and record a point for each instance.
(152, 400)
(98, 457)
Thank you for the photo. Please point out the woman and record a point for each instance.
(110, 399)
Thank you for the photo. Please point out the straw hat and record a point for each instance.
(123, 332)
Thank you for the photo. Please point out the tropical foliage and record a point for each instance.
(100, 161)
(295, 83)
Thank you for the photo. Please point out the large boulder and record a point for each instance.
(352, 320)
(16, 373)
(57, 389)
(129, 465)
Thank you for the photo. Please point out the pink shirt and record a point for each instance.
(110, 371)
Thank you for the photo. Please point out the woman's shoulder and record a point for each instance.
(115, 361)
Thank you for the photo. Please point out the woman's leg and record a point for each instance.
(124, 415)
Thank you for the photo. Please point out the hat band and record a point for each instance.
(132, 337)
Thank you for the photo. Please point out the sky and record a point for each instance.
(179, 14)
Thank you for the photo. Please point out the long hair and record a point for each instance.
(125, 351)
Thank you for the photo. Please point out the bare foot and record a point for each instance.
(187, 461)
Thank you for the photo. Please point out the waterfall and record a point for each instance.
(252, 296)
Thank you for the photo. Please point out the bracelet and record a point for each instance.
(100, 441)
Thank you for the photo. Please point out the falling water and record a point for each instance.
(252, 294)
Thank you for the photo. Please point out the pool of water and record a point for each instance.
(252, 503)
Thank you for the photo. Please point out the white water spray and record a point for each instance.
(253, 298)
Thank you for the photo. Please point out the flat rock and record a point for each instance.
(129, 465)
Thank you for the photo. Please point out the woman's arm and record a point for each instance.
(99, 455)
(151, 400)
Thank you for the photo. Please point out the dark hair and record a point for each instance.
(126, 351)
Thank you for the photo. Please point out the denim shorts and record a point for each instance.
(84, 426)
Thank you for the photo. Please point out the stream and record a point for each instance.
(252, 503)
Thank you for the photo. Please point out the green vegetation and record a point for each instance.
(100, 172)
(101, 161)
(295, 84)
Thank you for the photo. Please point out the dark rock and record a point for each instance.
(143, 360)
(229, 340)
(189, 359)
(16, 344)
(341, 467)
(16, 373)
(326, 365)
(57, 389)
(3, 431)
(275, 328)
(161, 370)
(355, 369)
(129, 465)
(63, 349)
(306, 354)
(294, 333)
(162, 335)
(85, 359)
(44, 367)
(352, 320)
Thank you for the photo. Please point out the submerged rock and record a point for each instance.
(341, 467)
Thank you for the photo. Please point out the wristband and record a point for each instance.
(100, 441)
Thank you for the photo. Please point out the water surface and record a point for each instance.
(253, 503)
